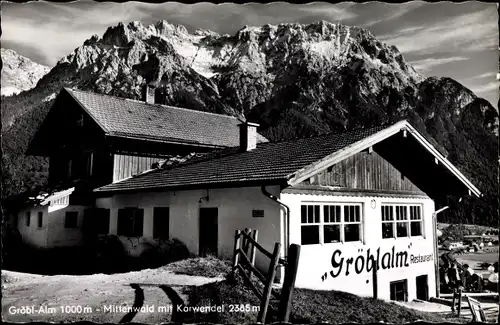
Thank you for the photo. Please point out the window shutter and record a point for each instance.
(138, 222)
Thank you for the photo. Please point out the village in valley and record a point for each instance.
(137, 190)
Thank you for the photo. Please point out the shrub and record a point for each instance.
(455, 232)
(161, 252)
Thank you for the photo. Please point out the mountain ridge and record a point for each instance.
(293, 79)
(19, 73)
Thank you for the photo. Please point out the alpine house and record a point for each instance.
(354, 201)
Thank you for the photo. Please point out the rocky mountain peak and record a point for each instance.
(19, 73)
(294, 79)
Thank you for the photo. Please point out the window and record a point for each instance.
(401, 227)
(40, 219)
(387, 222)
(415, 221)
(28, 218)
(310, 224)
(330, 223)
(130, 222)
(90, 163)
(81, 165)
(352, 223)
(161, 222)
(401, 221)
(399, 290)
(71, 219)
(332, 218)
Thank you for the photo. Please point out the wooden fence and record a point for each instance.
(245, 246)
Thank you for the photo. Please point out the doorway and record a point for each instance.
(208, 243)
(422, 287)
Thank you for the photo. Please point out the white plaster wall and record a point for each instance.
(52, 233)
(315, 260)
(33, 235)
(234, 212)
(58, 235)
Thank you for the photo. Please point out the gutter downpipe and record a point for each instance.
(436, 263)
(286, 219)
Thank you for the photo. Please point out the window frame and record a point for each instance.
(395, 207)
(342, 223)
(393, 294)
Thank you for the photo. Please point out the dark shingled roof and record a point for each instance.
(274, 162)
(130, 118)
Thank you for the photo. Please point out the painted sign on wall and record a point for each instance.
(366, 262)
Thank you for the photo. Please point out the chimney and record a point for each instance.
(149, 96)
(248, 136)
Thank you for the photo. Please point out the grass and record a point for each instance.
(222, 294)
(211, 267)
(342, 307)
(308, 306)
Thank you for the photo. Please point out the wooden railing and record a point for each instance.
(245, 246)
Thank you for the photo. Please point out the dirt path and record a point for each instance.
(99, 297)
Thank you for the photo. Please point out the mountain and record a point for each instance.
(295, 80)
(19, 73)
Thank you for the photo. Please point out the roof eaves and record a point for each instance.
(195, 185)
(427, 145)
(160, 139)
(70, 92)
(339, 155)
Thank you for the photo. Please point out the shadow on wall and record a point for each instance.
(104, 254)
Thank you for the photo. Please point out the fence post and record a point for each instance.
(246, 241)
(237, 237)
(255, 235)
(459, 301)
(375, 282)
(289, 282)
(266, 297)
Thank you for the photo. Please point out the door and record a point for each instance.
(161, 222)
(422, 287)
(208, 231)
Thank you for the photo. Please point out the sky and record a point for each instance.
(444, 39)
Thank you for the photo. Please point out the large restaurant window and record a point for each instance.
(130, 222)
(310, 224)
(330, 223)
(401, 221)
